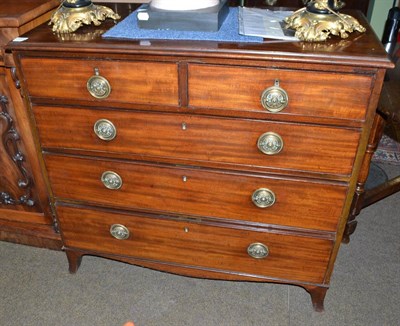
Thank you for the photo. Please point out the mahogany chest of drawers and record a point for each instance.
(214, 160)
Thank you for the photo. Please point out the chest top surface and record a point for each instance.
(364, 50)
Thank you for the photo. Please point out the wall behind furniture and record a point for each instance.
(377, 14)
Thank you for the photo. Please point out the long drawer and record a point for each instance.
(197, 192)
(287, 257)
(129, 81)
(245, 143)
(309, 93)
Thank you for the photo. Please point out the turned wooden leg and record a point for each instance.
(74, 260)
(358, 199)
(317, 294)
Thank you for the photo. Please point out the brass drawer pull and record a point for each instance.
(274, 98)
(119, 231)
(257, 250)
(98, 86)
(111, 180)
(105, 129)
(270, 143)
(263, 198)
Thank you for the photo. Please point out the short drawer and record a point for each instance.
(129, 81)
(184, 139)
(197, 192)
(309, 93)
(287, 257)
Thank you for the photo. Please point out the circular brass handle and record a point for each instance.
(119, 231)
(270, 143)
(263, 198)
(111, 180)
(105, 129)
(257, 250)
(275, 98)
(98, 86)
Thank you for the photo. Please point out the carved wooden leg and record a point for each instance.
(74, 260)
(358, 199)
(317, 294)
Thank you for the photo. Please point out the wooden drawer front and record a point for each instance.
(310, 93)
(131, 82)
(167, 189)
(180, 242)
(199, 138)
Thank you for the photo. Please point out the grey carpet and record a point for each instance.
(36, 288)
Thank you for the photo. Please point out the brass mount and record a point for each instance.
(320, 19)
(72, 14)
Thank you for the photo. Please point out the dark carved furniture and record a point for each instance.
(387, 113)
(23, 195)
(214, 160)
